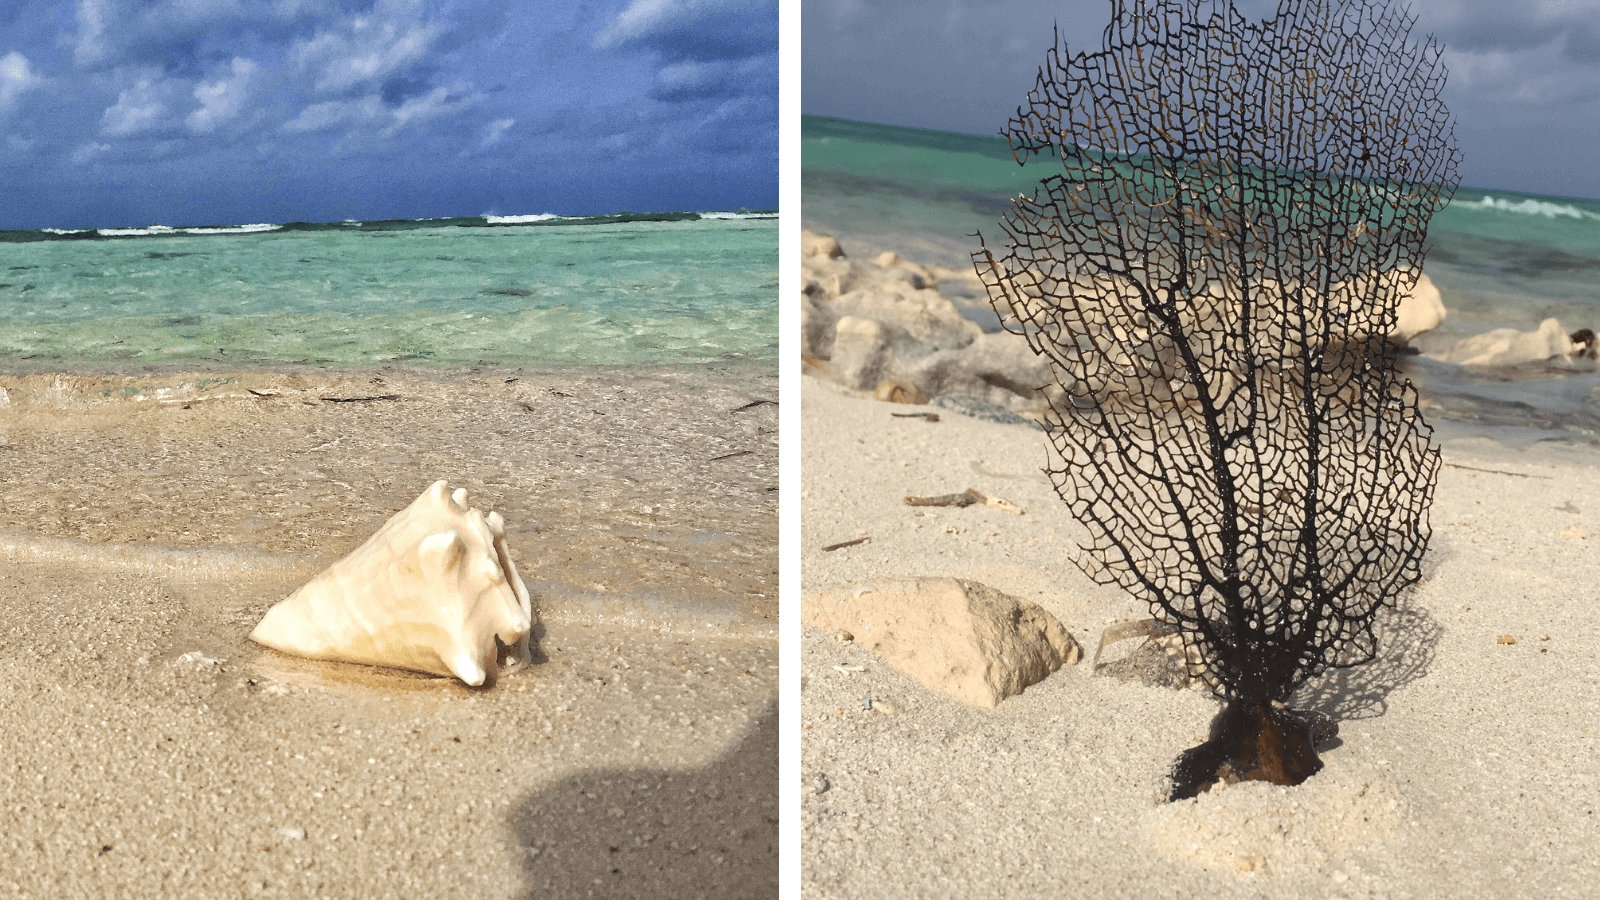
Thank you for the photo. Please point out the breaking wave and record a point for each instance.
(521, 220)
(1531, 207)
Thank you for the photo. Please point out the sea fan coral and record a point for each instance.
(1212, 276)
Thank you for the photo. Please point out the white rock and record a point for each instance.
(916, 336)
(1509, 347)
(823, 245)
(922, 315)
(817, 328)
(1420, 311)
(434, 590)
(860, 353)
(960, 637)
(889, 259)
(999, 368)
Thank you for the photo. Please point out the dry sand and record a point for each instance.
(1465, 767)
(636, 759)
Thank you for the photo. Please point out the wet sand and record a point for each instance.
(1464, 767)
(150, 749)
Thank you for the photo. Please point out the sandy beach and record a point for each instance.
(151, 750)
(1464, 766)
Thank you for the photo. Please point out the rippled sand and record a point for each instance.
(145, 519)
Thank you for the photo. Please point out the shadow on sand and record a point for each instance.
(1408, 638)
(709, 833)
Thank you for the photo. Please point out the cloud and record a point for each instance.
(696, 29)
(497, 129)
(184, 36)
(366, 50)
(87, 152)
(440, 101)
(692, 81)
(323, 116)
(371, 112)
(16, 77)
(138, 109)
(1568, 29)
(222, 100)
(93, 18)
(643, 17)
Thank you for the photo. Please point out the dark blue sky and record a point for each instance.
(1524, 81)
(127, 112)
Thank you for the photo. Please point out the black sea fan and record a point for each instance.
(1213, 276)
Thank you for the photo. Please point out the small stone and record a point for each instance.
(820, 783)
(290, 832)
(885, 707)
(1506, 639)
(843, 637)
(891, 390)
(196, 659)
(1571, 531)
(960, 637)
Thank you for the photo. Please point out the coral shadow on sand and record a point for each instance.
(656, 834)
(1408, 635)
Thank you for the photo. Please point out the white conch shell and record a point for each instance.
(431, 591)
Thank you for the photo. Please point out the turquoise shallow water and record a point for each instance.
(697, 288)
(1500, 258)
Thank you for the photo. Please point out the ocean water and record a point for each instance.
(1499, 258)
(658, 289)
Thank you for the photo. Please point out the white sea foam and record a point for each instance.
(1533, 207)
(135, 232)
(738, 215)
(236, 229)
(520, 220)
(158, 230)
(64, 230)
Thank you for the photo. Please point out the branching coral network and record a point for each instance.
(1213, 274)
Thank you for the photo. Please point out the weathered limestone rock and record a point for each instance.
(1509, 347)
(892, 260)
(860, 353)
(1421, 310)
(998, 368)
(823, 245)
(920, 340)
(816, 328)
(960, 637)
(923, 315)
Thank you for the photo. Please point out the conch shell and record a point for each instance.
(433, 591)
